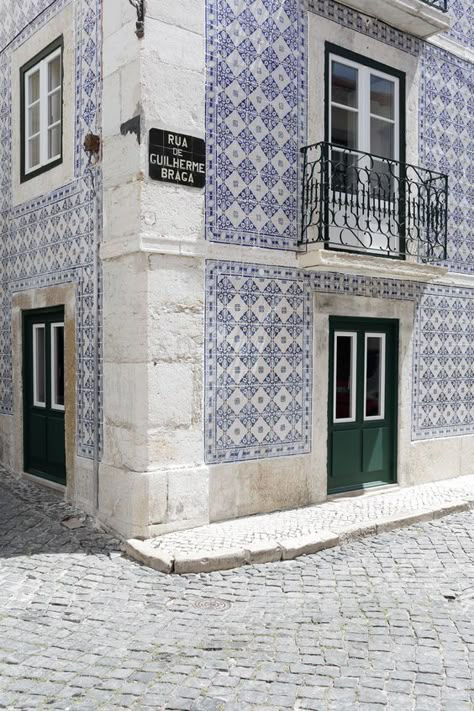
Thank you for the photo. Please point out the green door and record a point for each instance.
(362, 418)
(43, 394)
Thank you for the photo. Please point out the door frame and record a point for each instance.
(31, 300)
(28, 362)
(326, 304)
(373, 325)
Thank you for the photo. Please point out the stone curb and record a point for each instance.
(145, 553)
(203, 561)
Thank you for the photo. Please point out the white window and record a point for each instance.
(365, 109)
(364, 157)
(42, 106)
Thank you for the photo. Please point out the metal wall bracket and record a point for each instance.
(139, 6)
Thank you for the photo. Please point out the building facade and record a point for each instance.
(237, 251)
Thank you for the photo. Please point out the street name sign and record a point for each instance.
(176, 158)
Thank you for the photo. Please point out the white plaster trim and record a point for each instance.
(453, 47)
(326, 260)
(412, 16)
(453, 279)
(200, 249)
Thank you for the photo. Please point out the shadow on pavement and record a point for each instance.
(35, 520)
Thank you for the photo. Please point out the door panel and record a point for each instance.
(363, 381)
(347, 452)
(43, 393)
(376, 447)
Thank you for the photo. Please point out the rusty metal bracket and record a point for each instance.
(139, 6)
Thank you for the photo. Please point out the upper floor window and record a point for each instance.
(359, 194)
(42, 111)
(365, 108)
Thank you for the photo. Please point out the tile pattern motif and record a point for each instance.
(258, 369)
(255, 120)
(462, 17)
(447, 143)
(443, 360)
(51, 239)
(255, 112)
(259, 355)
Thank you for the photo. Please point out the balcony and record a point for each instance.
(422, 18)
(369, 205)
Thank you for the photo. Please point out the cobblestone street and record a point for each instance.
(383, 622)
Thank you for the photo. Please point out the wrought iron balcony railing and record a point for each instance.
(438, 4)
(355, 201)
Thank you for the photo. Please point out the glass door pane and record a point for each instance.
(345, 358)
(344, 124)
(57, 366)
(39, 365)
(374, 376)
(384, 173)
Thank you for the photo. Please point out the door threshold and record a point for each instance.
(61, 488)
(372, 491)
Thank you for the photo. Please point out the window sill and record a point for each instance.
(324, 259)
(412, 16)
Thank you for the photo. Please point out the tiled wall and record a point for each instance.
(258, 362)
(447, 144)
(51, 240)
(255, 120)
(259, 366)
(443, 363)
(259, 333)
(462, 18)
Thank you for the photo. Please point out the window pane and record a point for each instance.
(54, 142)
(54, 107)
(33, 152)
(344, 84)
(34, 120)
(33, 87)
(382, 138)
(54, 73)
(343, 374)
(373, 376)
(383, 183)
(38, 365)
(382, 97)
(344, 127)
(345, 173)
(57, 350)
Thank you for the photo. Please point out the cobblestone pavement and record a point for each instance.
(379, 623)
(335, 515)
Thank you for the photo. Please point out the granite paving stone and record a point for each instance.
(383, 622)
